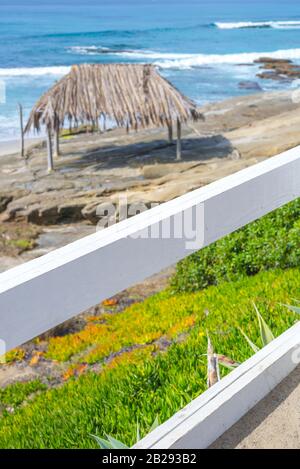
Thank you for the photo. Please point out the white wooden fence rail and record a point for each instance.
(47, 291)
(208, 416)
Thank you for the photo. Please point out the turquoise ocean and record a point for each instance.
(205, 48)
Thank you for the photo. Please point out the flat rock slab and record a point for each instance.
(96, 168)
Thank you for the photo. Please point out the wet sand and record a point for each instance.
(13, 146)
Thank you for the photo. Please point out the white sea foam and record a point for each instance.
(198, 60)
(259, 24)
(153, 55)
(88, 50)
(9, 127)
(34, 71)
(181, 61)
(100, 50)
(163, 60)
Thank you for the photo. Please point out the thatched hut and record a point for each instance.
(131, 95)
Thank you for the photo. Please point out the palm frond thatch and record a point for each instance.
(132, 95)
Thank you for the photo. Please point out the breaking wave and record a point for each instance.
(259, 24)
(161, 59)
(180, 60)
(198, 60)
(34, 71)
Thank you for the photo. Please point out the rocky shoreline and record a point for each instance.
(97, 169)
(277, 69)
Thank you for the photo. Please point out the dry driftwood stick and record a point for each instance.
(178, 152)
(21, 130)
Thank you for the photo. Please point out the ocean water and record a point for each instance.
(205, 47)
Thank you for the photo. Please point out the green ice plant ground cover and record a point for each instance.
(159, 382)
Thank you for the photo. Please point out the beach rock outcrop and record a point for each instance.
(271, 61)
(4, 201)
(250, 85)
(277, 69)
(45, 210)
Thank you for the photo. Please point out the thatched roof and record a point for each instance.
(131, 95)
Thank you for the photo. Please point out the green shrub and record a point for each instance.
(112, 401)
(268, 243)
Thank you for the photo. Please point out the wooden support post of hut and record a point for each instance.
(178, 151)
(21, 130)
(56, 143)
(49, 151)
(170, 132)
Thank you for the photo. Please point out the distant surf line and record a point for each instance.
(179, 60)
(258, 24)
